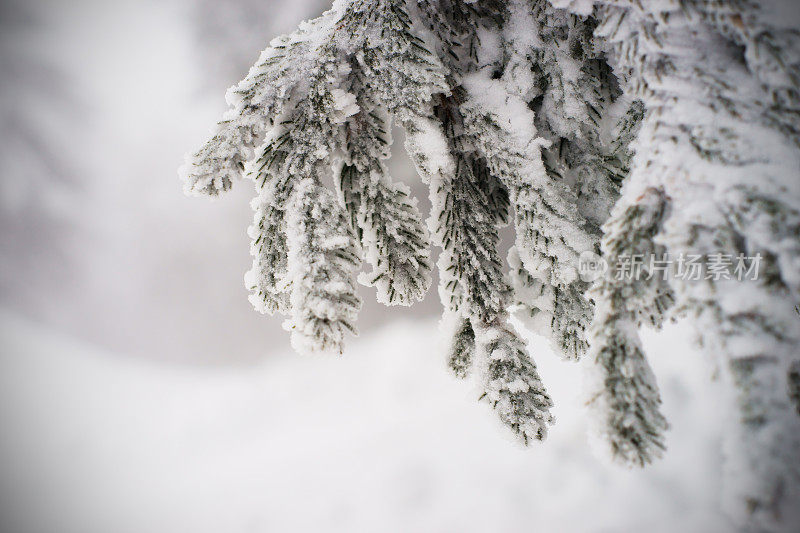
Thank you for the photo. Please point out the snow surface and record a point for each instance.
(382, 439)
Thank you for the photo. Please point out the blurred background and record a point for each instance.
(139, 391)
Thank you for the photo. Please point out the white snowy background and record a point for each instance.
(140, 393)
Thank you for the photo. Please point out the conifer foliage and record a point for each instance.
(659, 130)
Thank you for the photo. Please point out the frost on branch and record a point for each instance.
(512, 383)
(288, 235)
(540, 127)
(255, 103)
(615, 127)
(313, 107)
(625, 396)
(717, 138)
(468, 206)
(385, 217)
(461, 351)
(628, 400)
(323, 258)
(771, 42)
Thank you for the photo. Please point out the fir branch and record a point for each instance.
(322, 260)
(511, 381)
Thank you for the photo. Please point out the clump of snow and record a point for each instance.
(345, 105)
(578, 7)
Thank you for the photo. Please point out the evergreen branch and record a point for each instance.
(511, 381)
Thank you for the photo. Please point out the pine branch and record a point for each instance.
(323, 258)
(664, 128)
(771, 53)
(267, 280)
(402, 71)
(550, 232)
(707, 141)
(461, 352)
(511, 382)
(254, 103)
(383, 215)
(626, 400)
(466, 229)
